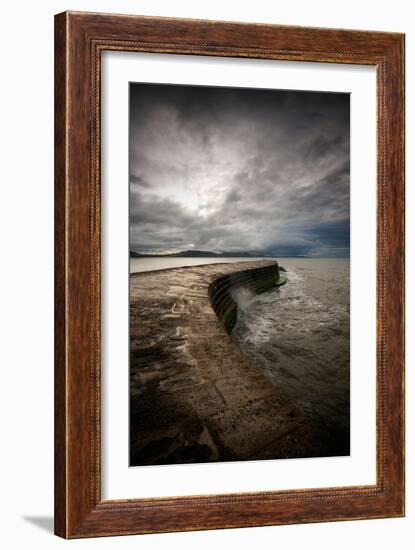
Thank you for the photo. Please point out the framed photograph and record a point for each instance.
(229, 275)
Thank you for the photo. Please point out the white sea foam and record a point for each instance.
(299, 336)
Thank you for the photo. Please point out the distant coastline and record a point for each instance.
(192, 254)
(206, 254)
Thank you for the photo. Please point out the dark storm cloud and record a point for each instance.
(228, 169)
(139, 181)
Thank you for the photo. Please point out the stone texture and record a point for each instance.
(193, 396)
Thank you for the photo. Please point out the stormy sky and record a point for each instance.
(228, 169)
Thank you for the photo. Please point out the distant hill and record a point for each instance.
(192, 254)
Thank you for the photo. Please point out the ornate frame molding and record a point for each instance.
(79, 40)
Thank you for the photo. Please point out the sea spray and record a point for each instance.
(299, 336)
(243, 297)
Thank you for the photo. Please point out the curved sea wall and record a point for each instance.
(223, 289)
(194, 397)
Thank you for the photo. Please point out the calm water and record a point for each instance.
(298, 335)
(153, 264)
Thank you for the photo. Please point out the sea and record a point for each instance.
(298, 335)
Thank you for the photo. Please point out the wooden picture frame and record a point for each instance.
(79, 40)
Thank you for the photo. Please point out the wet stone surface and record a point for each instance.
(193, 396)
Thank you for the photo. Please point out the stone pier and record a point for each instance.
(193, 396)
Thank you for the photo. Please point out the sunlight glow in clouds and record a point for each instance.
(228, 169)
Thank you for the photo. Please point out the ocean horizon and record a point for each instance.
(144, 264)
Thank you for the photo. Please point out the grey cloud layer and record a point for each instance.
(225, 169)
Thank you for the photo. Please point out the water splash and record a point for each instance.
(299, 336)
(244, 297)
